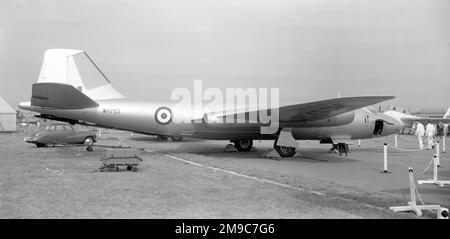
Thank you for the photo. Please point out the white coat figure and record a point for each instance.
(420, 132)
(430, 131)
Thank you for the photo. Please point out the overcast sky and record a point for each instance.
(311, 50)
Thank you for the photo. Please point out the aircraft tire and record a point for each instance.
(243, 145)
(285, 151)
(40, 145)
(163, 138)
(176, 138)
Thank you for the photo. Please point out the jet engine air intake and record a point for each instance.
(378, 129)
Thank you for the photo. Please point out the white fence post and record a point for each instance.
(395, 139)
(437, 152)
(435, 167)
(385, 158)
(443, 144)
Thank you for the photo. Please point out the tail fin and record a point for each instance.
(60, 96)
(66, 66)
(447, 114)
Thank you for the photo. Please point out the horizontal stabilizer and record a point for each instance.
(60, 96)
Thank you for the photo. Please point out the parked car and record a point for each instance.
(60, 133)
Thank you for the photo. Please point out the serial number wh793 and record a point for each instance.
(246, 228)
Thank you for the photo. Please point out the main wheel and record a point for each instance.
(40, 145)
(243, 145)
(162, 137)
(284, 151)
(176, 138)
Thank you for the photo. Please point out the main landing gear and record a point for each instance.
(170, 138)
(284, 151)
(285, 145)
(243, 145)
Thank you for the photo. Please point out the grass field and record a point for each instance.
(62, 182)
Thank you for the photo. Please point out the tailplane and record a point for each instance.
(59, 96)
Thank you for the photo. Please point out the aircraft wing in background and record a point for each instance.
(424, 121)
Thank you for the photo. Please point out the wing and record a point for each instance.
(317, 110)
(327, 108)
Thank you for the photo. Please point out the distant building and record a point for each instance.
(7, 117)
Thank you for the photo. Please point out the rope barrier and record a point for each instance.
(420, 198)
(411, 140)
(407, 150)
(426, 169)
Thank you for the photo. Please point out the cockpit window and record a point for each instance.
(371, 110)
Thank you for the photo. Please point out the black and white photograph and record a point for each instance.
(224, 109)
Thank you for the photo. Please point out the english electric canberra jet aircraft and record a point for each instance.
(62, 95)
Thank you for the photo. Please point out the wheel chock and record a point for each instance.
(230, 148)
(272, 154)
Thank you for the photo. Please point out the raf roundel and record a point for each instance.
(163, 115)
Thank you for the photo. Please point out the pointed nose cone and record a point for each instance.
(25, 105)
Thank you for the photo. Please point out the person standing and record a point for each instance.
(420, 132)
(430, 131)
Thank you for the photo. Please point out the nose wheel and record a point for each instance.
(342, 148)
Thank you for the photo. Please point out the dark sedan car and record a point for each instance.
(60, 133)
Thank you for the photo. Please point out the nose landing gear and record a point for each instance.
(341, 148)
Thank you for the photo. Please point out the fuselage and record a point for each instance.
(141, 117)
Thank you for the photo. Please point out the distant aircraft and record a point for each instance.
(447, 114)
(407, 120)
(61, 95)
